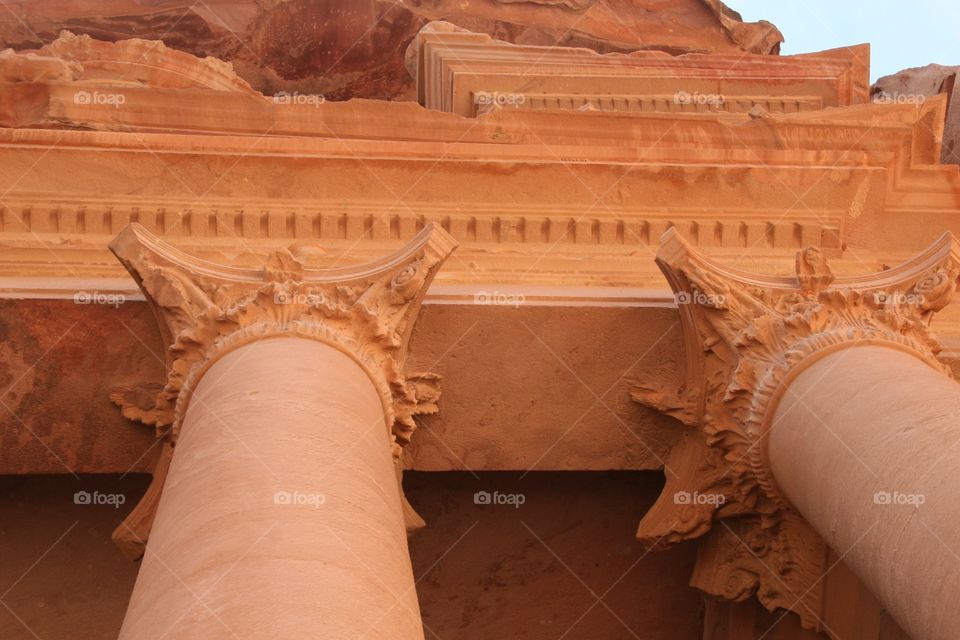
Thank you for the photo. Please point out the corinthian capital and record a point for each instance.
(205, 310)
(746, 337)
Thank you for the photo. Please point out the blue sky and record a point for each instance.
(902, 33)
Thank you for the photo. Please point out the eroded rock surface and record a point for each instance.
(355, 49)
(917, 83)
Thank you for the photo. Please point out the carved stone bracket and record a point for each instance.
(205, 310)
(746, 337)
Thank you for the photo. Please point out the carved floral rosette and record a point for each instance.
(206, 310)
(746, 337)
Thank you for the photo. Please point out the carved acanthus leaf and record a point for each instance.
(675, 404)
(205, 309)
(779, 560)
(418, 394)
(745, 335)
(693, 469)
(137, 402)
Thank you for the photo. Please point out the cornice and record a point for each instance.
(337, 130)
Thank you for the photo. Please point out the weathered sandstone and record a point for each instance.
(355, 49)
(918, 83)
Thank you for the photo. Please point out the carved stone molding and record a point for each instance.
(484, 223)
(205, 310)
(781, 561)
(746, 337)
(454, 66)
(680, 102)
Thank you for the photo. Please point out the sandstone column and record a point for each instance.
(819, 416)
(860, 444)
(276, 511)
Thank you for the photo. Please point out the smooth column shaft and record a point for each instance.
(281, 515)
(864, 443)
